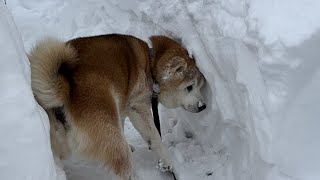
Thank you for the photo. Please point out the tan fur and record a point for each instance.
(98, 81)
(51, 89)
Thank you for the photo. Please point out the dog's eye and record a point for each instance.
(189, 88)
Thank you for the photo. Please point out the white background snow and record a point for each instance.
(260, 59)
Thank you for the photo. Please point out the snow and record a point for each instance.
(260, 59)
(25, 151)
(289, 22)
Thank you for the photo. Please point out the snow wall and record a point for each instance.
(25, 151)
(260, 59)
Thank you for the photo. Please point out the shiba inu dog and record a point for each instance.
(89, 85)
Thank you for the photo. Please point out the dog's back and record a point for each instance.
(108, 63)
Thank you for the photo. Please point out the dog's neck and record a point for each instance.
(156, 88)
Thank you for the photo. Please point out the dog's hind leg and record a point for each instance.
(58, 137)
(99, 136)
(141, 117)
(130, 145)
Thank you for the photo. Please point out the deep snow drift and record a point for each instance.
(260, 59)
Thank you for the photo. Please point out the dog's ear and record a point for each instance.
(176, 66)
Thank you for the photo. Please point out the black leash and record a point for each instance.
(155, 113)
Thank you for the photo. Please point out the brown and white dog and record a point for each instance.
(89, 85)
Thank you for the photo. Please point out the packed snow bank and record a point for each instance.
(293, 83)
(25, 150)
(260, 59)
(289, 62)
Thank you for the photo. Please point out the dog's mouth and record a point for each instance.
(200, 106)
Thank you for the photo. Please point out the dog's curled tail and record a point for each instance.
(50, 60)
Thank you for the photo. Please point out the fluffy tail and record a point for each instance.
(50, 59)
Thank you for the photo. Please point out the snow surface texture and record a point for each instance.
(260, 59)
(25, 151)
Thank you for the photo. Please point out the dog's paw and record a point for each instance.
(165, 166)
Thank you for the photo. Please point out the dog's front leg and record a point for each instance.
(141, 117)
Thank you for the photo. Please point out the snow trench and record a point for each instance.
(260, 60)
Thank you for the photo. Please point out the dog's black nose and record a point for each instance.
(201, 108)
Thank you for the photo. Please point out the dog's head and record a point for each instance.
(177, 75)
